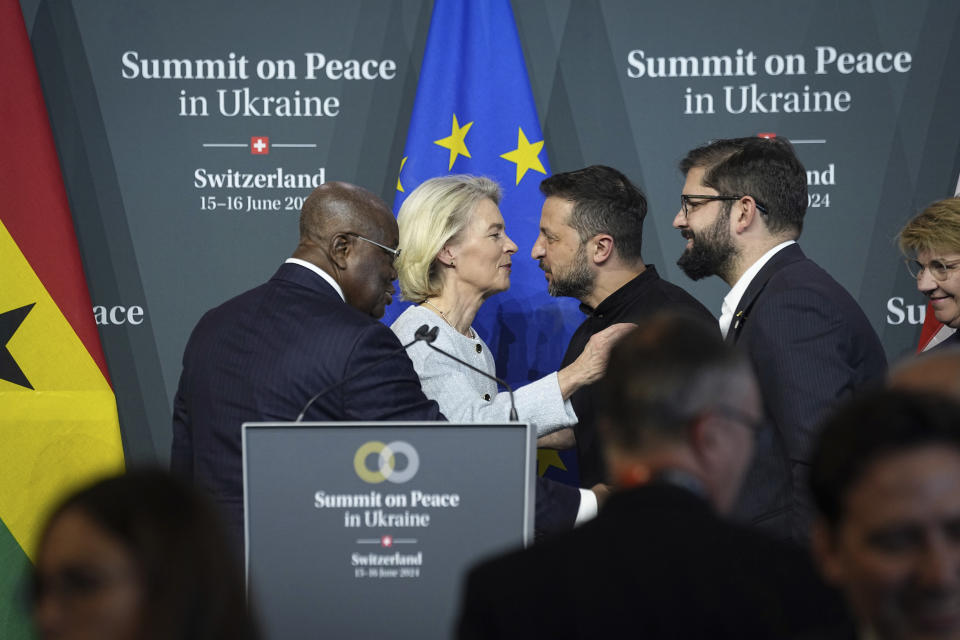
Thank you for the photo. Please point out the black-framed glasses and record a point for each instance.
(687, 200)
(394, 252)
(938, 269)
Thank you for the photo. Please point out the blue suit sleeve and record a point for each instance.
(556, 506)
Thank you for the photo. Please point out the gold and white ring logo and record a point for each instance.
(386, 461)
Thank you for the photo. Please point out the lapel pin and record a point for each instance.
(739, 319)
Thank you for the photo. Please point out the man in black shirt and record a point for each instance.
(591, 228)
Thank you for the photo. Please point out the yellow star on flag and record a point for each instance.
(456, 141)
(525, 156)
(403, 161)
(547, 458)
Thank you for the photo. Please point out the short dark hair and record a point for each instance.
(191, 579)
(766, 168)
(604, 201)
(870, 427)
(661, 375)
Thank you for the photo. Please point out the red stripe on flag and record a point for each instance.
(34, 205)
(931, 326)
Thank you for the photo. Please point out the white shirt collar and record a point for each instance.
(732, 299)
(320, 272)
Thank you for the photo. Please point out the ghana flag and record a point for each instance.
(58, 415)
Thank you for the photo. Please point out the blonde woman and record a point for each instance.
(455, 253)
(931, 242)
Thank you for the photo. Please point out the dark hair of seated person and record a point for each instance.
(880, 423)
(189, 581)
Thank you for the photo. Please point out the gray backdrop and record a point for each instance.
(156, 259)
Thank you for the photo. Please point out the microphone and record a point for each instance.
(432, 335)
(423, 333)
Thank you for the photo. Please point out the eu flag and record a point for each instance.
(474, 113)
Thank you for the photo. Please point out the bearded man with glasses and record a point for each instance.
(933, 239)
(810, 344)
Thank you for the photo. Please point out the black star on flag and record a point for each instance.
(9, 323)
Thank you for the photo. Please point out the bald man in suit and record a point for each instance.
(313, 326)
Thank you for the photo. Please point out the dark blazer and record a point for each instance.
(655, 563)
(950, 342)
(262, 355)
(812, 347)
(556, 507)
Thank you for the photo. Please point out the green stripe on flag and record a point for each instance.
(14, 583)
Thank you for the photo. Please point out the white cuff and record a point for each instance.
(588, 506)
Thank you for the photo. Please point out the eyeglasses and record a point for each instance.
(686, 202)
(394, 252)
(939, 270)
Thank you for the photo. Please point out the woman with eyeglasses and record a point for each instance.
(932, 243)
(455, 255)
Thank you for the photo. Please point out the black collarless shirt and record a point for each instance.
(643, 296)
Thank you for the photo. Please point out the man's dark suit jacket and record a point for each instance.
(261, 356)
(812, 347)
(657, 562)
(556, 507)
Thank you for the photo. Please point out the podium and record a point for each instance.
(367, 529)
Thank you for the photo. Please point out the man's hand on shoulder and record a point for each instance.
(592, 363)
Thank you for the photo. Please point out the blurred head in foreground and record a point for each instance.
(937, 371)
(138, 556)
(676, 397)
(886, 482)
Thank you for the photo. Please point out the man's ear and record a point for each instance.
(745, 214)
(603, 248)
(823, 547)
(340, 249)
(705, 440)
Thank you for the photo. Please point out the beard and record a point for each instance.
(712, 253)
(576, 281)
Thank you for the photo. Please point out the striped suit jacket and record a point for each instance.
(262, 355)
(812, 347)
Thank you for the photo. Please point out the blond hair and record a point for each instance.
(935, 228)
(429, 218)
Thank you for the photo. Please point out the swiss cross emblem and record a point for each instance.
(259, 145)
